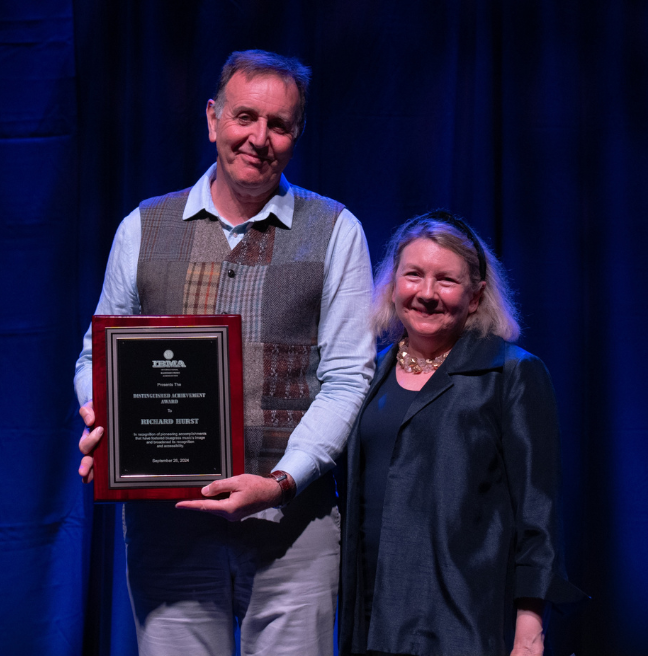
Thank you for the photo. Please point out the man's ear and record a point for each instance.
(212, 121)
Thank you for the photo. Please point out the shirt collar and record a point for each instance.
(282, 203)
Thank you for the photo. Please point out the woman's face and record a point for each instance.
(433, 295)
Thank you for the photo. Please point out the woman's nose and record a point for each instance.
(428, 290)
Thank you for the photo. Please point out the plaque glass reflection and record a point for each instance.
(168, 391)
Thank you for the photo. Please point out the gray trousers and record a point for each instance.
(193, 576)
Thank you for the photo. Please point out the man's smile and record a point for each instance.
(253, 159)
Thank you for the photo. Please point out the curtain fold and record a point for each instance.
(44, 523)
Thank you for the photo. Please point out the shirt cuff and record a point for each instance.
(300, 466)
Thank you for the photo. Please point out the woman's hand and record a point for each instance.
(529, 635)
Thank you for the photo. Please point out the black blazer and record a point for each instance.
(470, 519)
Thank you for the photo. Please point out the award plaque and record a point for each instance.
(168, 391)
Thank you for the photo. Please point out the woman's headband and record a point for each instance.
(463, 227)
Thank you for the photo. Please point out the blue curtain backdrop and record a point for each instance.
(528, 118)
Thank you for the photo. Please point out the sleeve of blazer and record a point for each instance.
(531, 448)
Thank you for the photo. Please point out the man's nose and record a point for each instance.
(259, 134)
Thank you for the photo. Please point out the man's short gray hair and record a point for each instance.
(259, 62)
(496, 314)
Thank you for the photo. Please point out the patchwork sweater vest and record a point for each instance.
(273, 279)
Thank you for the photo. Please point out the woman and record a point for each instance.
(451, 544)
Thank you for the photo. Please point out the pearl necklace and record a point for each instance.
(412, 365)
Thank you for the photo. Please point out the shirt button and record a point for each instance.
(231, 273)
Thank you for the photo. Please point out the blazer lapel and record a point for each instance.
(437, 385)
(470, 354)
(386, 361)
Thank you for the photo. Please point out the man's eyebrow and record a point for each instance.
(242, 108)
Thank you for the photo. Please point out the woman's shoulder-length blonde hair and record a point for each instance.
(496, 314)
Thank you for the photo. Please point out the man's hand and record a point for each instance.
(88, 442)
(248, 494)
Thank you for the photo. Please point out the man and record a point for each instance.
(295, 266)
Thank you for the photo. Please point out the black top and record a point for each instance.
(379, 427)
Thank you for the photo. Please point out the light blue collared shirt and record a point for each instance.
(345, 341)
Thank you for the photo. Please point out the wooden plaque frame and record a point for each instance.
(109, 484)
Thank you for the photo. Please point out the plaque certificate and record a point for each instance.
(168, 391)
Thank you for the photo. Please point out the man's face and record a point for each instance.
(254, 134)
